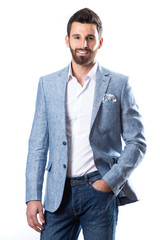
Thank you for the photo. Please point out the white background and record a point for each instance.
(31, 45)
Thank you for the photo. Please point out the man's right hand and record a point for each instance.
(33, 209)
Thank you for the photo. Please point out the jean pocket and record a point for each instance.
(99, 191)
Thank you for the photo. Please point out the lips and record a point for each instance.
(82, 52)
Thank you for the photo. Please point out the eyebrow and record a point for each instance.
(89, 35)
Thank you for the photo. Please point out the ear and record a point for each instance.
(67, 40)
(100, 42)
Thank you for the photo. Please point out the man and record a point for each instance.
(82, 112)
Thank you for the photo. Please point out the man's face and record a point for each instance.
(84, 43)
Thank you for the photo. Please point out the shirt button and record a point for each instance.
(64, 165)
(64, 143)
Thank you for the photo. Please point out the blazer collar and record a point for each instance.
(102, 81)
(103, 78)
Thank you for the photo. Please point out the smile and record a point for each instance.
(82, 52)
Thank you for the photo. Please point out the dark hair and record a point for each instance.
(85, 15)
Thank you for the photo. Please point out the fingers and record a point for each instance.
(41, 216)
(33, 223)
(34, 208)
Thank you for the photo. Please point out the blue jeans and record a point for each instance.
(82, 207)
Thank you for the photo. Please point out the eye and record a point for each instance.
(90, 38)
(76, 37)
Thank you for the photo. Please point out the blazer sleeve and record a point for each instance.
(38, 148)
(132, 133)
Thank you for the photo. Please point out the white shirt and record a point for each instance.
(79, 102)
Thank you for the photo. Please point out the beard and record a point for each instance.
(83, 60)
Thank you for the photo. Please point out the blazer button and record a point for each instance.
(64, 165)
(64, 143)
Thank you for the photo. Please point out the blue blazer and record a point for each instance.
(115, 116)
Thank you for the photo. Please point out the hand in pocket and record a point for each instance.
(101, 185)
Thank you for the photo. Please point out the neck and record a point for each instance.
(80, 71)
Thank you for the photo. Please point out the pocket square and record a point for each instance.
(109, 98)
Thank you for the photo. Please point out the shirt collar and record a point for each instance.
(91, 75)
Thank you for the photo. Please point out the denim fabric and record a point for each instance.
(82, 207)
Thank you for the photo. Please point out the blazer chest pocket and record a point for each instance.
(110, 108)
(49, 166)
(110, 104)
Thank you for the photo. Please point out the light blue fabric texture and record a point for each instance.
(112, 120)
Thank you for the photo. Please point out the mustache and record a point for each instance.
(83, 49)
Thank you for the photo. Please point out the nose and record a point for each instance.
(84, 44)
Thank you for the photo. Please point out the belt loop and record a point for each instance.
(86, 179)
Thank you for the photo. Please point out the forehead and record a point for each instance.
(83, 28)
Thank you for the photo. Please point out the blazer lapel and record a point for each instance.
(57, 94)
(102, 82)
(63, 79)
